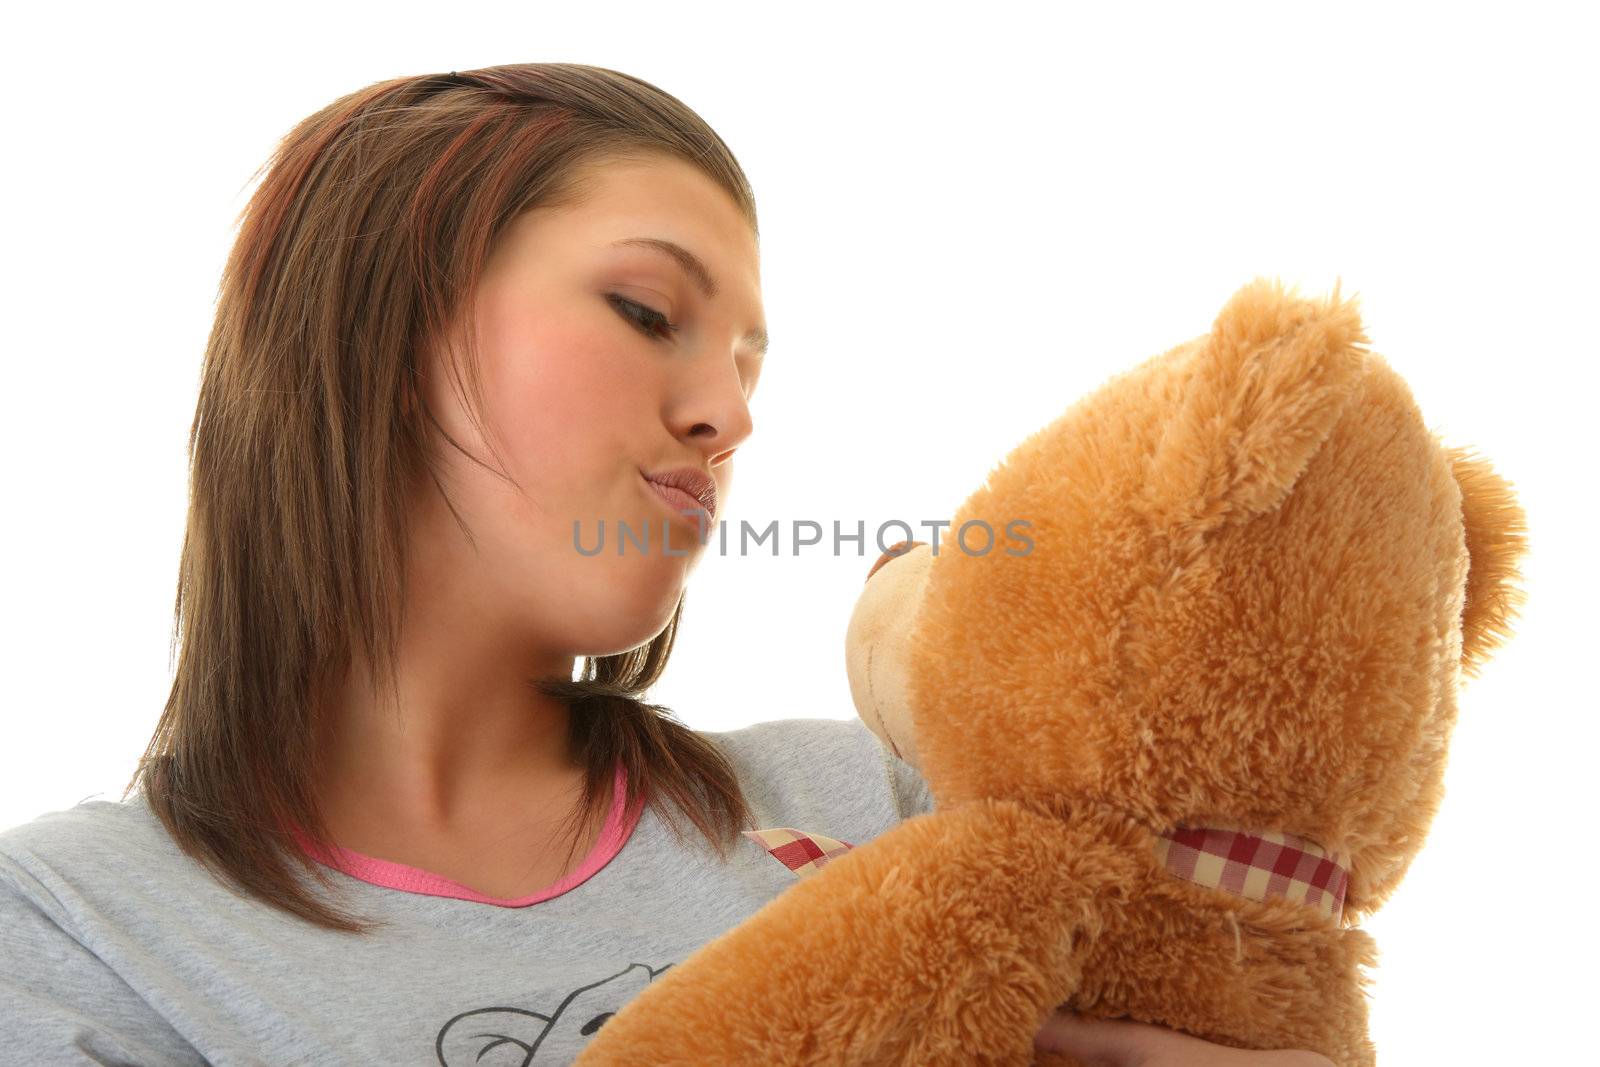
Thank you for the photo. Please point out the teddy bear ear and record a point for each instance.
(1261, 393)
(1496, 535)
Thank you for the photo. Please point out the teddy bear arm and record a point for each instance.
(949, 939)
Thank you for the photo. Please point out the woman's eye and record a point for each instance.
(644, 318)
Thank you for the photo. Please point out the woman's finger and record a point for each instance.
(1097, 1042)
(1126, 1043)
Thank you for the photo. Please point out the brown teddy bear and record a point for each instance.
(1181, 682)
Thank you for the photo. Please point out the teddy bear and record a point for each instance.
(1180, 680)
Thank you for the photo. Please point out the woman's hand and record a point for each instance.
(1125, 1043)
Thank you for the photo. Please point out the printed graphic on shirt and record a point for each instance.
(502, 1036)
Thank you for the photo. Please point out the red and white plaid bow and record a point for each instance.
(1260, 866)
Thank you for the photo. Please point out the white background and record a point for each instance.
(970, 217)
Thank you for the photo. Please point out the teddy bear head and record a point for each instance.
(1236, 585)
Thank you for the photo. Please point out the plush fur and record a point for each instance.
(1255, 580)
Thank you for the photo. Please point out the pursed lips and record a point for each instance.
(681, 500)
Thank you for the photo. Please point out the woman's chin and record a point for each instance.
(616, 640)
(637, 606)
(680, 538)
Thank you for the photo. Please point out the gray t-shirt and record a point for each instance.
(116, 948)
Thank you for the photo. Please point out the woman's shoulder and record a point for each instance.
(87, 824)
(815, 772)
(795, 750)
(81, 888)
(795, 735)
(67, 852)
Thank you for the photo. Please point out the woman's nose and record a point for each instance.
(720, 420)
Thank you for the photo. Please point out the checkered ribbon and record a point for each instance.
(797, 850)
(1259, 866)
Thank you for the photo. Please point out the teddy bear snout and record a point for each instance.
(899, 548)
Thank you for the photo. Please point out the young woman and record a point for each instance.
(471, 326)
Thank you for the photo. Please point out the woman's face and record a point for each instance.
(587, 388)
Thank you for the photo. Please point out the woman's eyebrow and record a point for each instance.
(697, 272)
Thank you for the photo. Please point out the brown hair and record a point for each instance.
(355, 255)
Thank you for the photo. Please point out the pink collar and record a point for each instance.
(409, 879)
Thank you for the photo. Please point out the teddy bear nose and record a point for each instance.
(899, 548)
